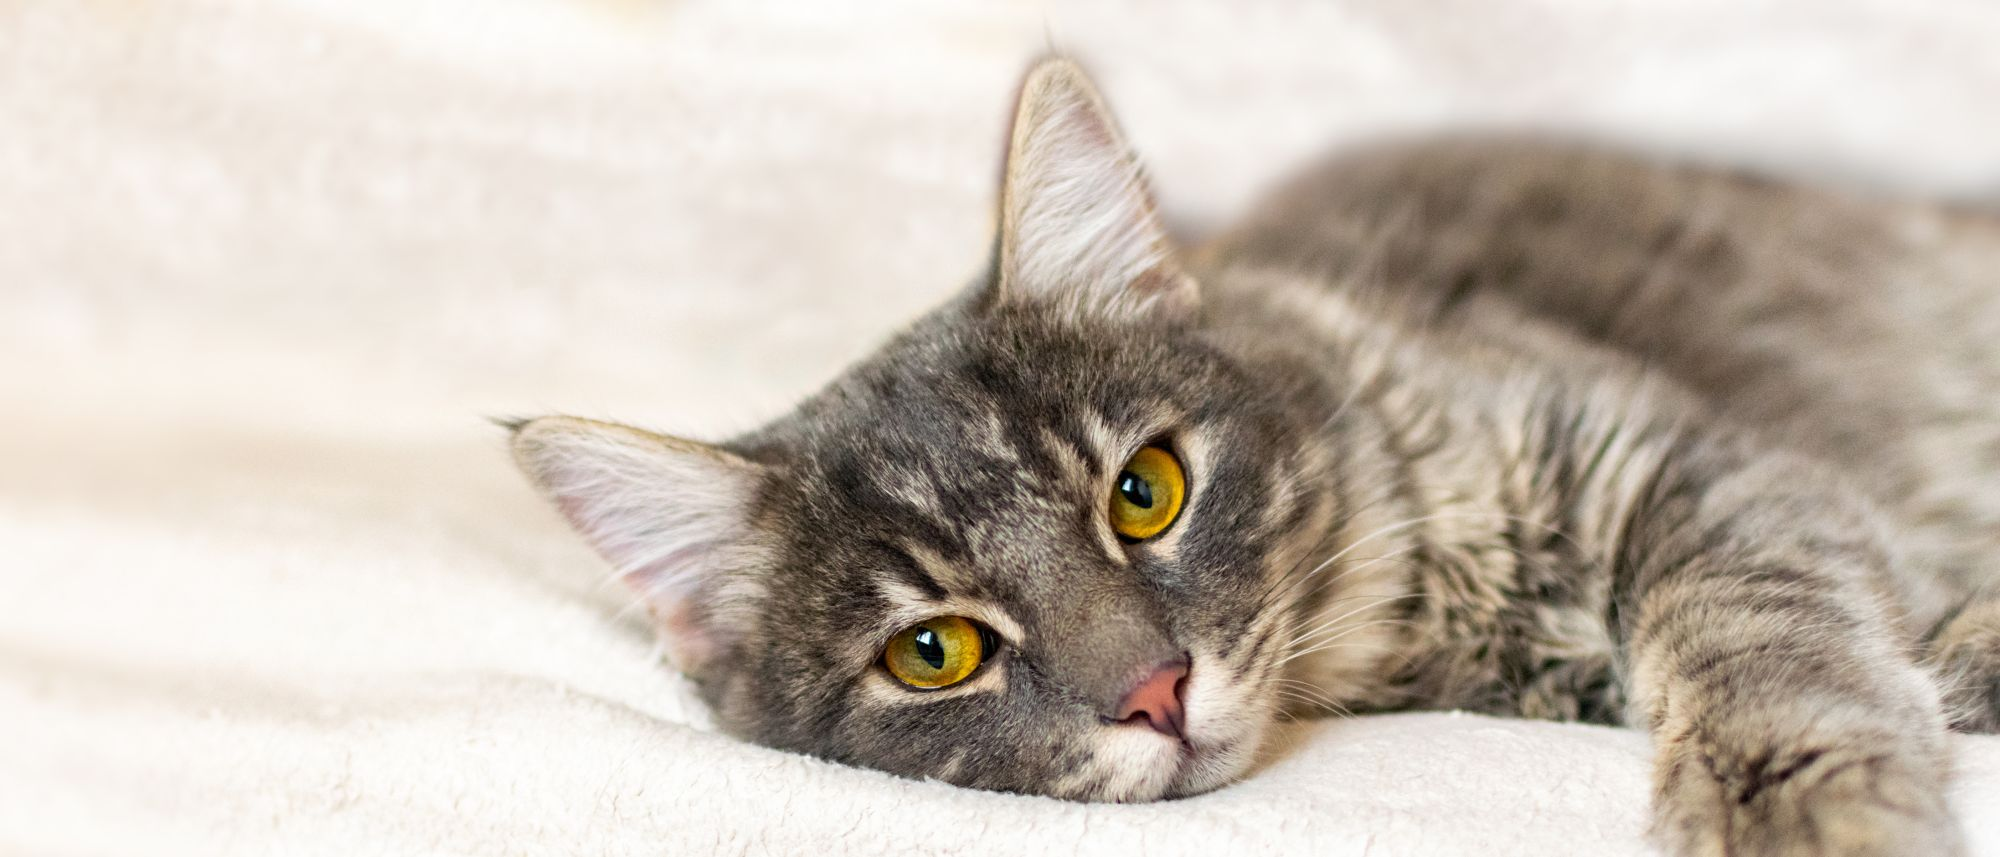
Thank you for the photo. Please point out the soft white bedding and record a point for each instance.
(268, 584)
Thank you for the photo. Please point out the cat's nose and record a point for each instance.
(1156, 701)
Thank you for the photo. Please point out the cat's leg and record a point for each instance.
(1965, 657)
(1788, 717)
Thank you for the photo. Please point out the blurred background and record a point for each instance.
(693, 211)
(265, 266)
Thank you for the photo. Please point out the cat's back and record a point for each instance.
(1863, 331)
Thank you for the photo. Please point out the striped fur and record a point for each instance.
(1503, 426)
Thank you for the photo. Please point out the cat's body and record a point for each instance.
(1559, 309)
(1494, 425)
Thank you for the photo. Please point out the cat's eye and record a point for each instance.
(938, 652)
(1148, 494)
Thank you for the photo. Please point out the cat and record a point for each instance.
(1499, 425)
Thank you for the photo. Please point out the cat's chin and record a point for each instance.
(1140, 767)
(1190, 770)
(1206, 771)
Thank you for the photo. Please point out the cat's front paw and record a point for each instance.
(1848, 799)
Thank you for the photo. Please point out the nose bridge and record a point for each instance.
(1098, 629)
(1101, 635)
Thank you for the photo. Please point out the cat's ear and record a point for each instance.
(1077, 223)
(671, 515)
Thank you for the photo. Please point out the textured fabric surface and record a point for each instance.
(268, 584)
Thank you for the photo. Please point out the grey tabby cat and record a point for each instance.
(1499, 426)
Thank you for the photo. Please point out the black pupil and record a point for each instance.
(930, 649)
(1136, 491)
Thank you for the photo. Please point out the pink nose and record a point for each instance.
(1156, 700)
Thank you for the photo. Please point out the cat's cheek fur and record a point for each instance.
(1227, 723)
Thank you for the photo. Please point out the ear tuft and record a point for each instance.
(1077, 224)
(671, 515)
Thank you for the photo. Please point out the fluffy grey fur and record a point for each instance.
(1503, 426)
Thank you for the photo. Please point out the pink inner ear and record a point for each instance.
(1076, 114)
(667, 514)
(689, 644)
(671, 585)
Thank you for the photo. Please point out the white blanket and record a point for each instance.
(268, 584)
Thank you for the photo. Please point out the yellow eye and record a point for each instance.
(937, 653)
(1148, 494)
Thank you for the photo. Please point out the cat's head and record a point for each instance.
(1044, 541)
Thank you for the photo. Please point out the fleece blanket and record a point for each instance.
(269, 585)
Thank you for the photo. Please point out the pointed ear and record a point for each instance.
(671, 515)
(1077, 224)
